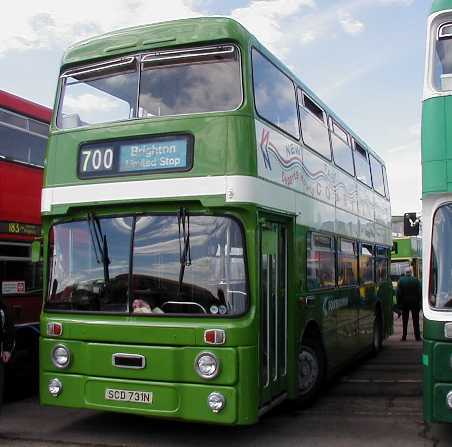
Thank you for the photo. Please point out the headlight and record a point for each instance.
(449, 399)
(216, 402)
(207, 365)
(55, 387)
(61, 356)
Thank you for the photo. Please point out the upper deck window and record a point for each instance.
(190, 81)
(313, 125)
(274, 94)
(377, 175)
(362, 165)
(22, 139)
(385, 179)
(342, 152)
(99, 93)
(442, 68)
(162, 83)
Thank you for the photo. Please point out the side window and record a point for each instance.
(16, 268)
(366, 268)
(362, 165)
(321, 271)
(314, 130)
(385, 179)
(347, 261)
(274, 95)
(381, 264)
(377, 175)
(22, 139)
(342, 152)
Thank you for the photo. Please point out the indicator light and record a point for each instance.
(54, 329)
(214, 337)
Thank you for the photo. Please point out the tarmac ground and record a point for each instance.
(377, 402)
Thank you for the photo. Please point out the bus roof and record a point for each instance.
(183, 32)
(155, 36)
(441, 5)
(24, 107)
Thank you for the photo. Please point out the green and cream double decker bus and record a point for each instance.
(437, 215)
(216, 239)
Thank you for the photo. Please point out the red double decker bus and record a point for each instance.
(24, 128)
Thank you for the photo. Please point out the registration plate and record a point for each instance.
(143, 397)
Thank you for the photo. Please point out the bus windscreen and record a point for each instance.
(91, 263)
(173, 82)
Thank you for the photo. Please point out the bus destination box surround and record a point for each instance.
(154, 154)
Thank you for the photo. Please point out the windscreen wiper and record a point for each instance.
(183, 222)
(100, 245)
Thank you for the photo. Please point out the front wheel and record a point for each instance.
(311, 371)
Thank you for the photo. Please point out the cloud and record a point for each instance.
(336, 84)
(404, 177)
(403, 164)
(52, 24)
(88, 102)
(396, 2)
(349, 24)
(268, 20)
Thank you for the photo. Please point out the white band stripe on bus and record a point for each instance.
(234, 188)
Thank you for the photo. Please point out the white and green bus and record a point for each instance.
(437, 215)
(216, 239)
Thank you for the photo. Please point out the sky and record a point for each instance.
(364, 58)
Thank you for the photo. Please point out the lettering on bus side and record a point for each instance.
(331, 304)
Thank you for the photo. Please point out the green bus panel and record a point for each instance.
(441, 5)
(437, 372)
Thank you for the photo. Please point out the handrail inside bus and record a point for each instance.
(185, 303)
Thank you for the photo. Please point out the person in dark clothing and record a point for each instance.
(409, 298)
(6, 344)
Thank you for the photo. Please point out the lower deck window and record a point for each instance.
(347, 261)
(321, 272)
(179, 264)
(366, 264)
(18, 275)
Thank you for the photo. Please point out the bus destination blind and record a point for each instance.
(128, 157)
(20, 228)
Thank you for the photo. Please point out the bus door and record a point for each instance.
(273, 303)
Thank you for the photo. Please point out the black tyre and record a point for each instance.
(377, 335)
(311, 371)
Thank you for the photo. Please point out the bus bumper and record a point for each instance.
(169, 400)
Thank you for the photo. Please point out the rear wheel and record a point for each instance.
(311, 371)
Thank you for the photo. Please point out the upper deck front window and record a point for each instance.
(442, 65)
(190, 81)
(172, 82)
